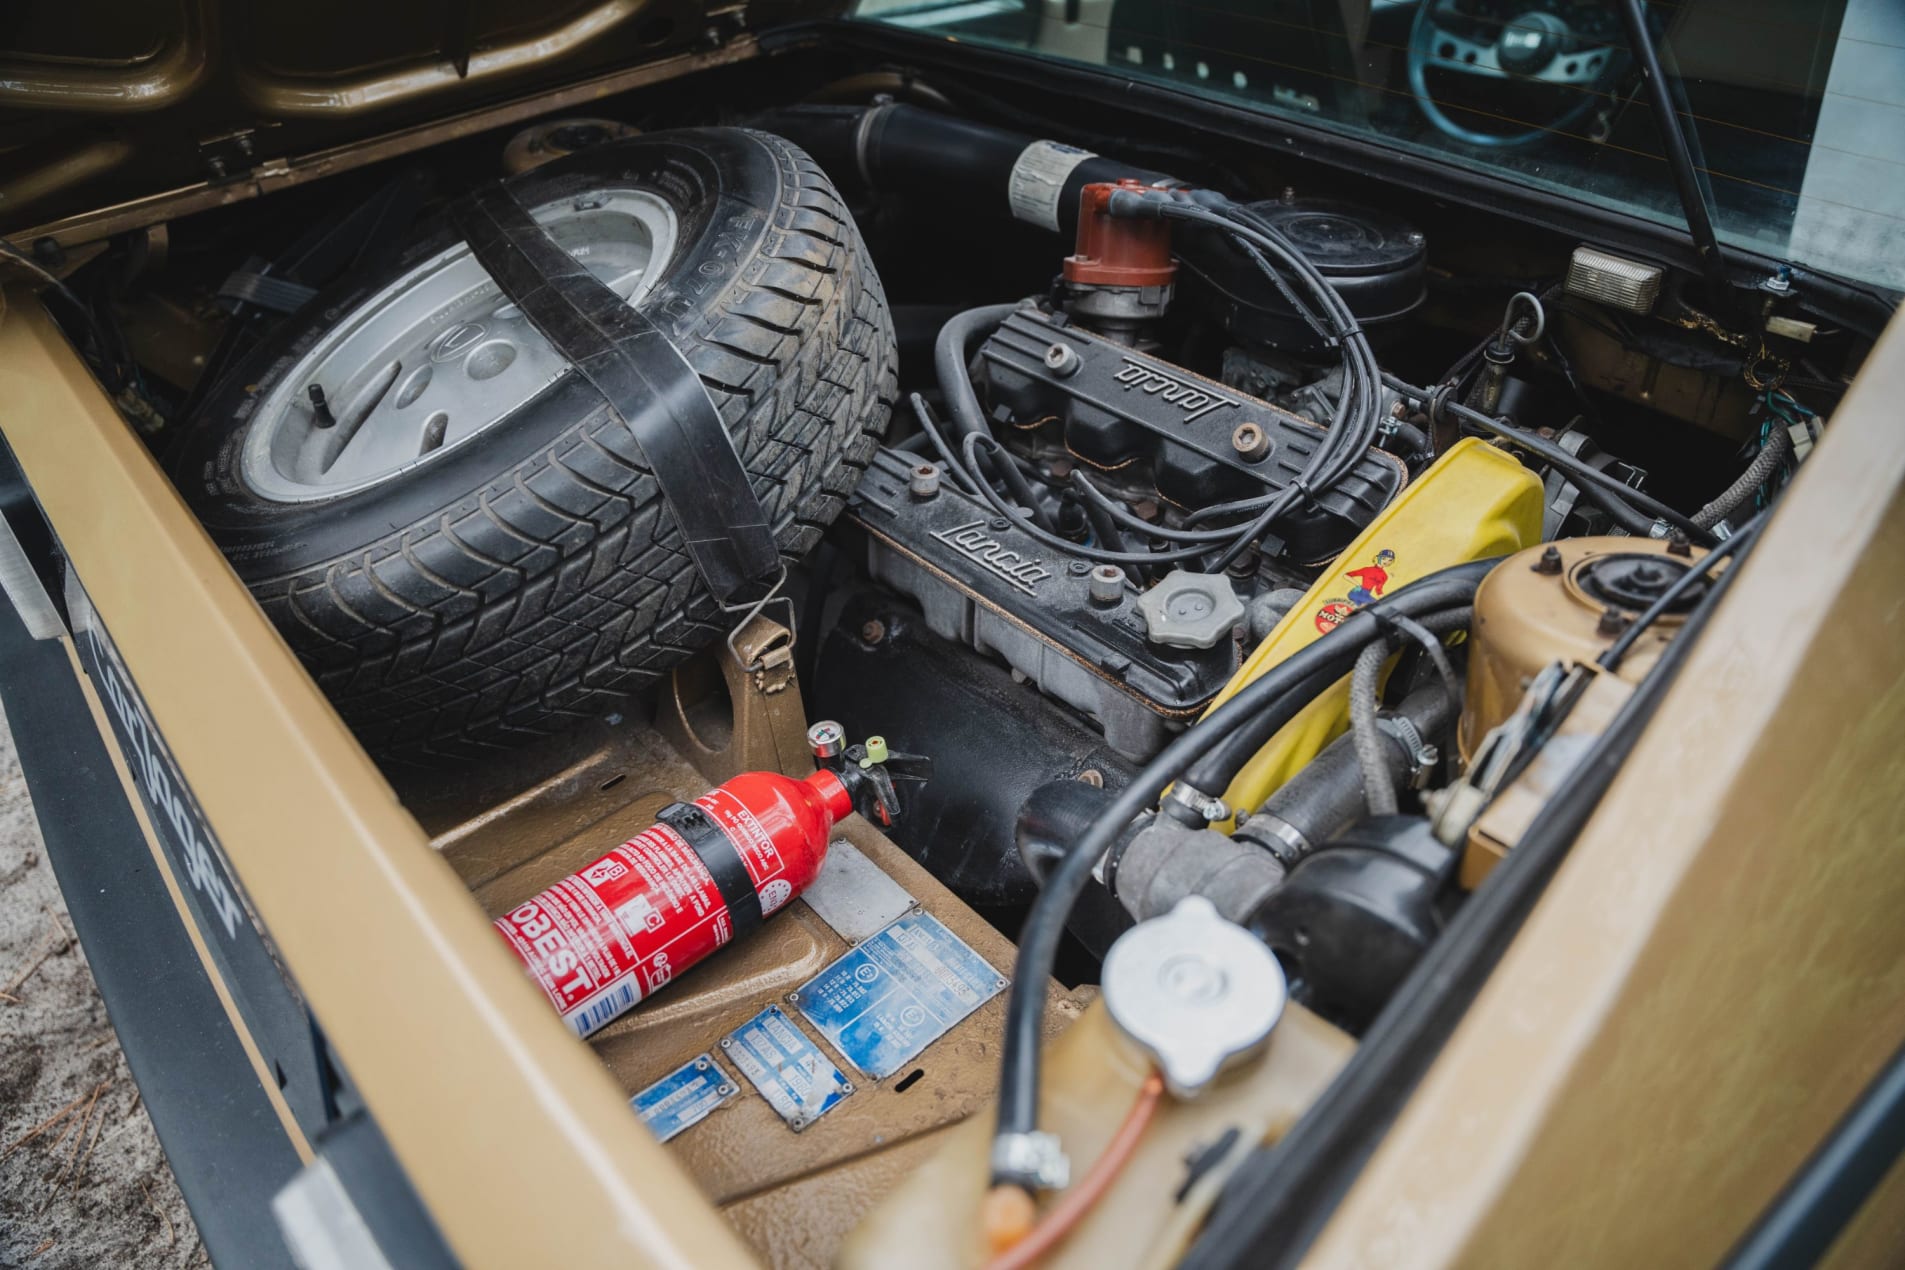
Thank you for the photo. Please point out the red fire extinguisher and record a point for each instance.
(706, 873)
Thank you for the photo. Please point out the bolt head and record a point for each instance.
(1250, 441)
(873, 632)
(1107, 584)
(1550, 562)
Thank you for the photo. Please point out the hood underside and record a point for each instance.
(118, 100)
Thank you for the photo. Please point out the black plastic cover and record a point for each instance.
(1351, 921)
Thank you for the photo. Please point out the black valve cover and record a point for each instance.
(1113, 406)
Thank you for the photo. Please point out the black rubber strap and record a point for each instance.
(731, 877)
(645, 380)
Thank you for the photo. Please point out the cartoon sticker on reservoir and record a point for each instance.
(1370, 581)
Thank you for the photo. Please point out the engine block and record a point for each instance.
(983, 582)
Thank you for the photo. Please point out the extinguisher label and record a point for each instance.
(753, 843)
(606, 937)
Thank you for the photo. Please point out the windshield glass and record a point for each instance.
(1795, 109)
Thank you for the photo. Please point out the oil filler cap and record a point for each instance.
(1195, 992)
(1190, 610)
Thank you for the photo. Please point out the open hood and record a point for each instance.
(123, 101)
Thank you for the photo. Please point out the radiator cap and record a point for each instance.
(1195, 992)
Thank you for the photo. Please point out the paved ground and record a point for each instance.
(82, 1180)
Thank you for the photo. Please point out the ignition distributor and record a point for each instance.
(706, 873)
(1120, 274)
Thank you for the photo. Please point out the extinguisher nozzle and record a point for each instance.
(873, 773)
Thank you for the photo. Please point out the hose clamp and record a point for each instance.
(862, 137)
(1033, 1158)
(1422, 756)
(1279, 837)
(1193, 806)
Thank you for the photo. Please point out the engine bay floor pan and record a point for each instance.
(508, 841)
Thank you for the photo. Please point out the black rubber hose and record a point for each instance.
(1052, 540)
(1323, 798)
(1621, 512)
(1218, 767)
(1212, 773)
(1051, 816)
(962, 403)
(1045, 925)
(1365, 699)
(950, 367)
(954, 467)
(910, 149)
(1582, 474)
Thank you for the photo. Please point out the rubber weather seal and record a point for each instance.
(645, 380)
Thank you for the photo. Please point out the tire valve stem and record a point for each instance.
(320, 408)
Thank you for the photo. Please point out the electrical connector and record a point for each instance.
(1803, 438)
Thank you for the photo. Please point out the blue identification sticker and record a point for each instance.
(684, 1097)
(897, 993)
(799, 1082)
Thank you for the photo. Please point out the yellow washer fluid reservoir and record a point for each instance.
(1474, 502)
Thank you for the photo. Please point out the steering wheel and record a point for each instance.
(1538, 46)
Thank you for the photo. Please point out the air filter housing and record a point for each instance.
(1377, 262)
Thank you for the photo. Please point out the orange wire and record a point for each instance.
(1079, 1199)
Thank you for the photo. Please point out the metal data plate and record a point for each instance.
(799, 1082)
(897, 993)
(854, 895)
(684, 1097)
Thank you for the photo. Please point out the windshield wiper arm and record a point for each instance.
(1673, 140)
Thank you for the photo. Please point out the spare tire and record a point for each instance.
(463, 543)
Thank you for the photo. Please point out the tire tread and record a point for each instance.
(560, 587)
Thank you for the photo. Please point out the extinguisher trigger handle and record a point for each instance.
(874, 782)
